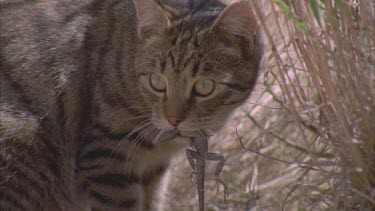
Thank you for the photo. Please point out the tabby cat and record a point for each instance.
(97, 95)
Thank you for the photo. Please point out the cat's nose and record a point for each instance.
(174, 121)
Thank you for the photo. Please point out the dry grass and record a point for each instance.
(309, 128)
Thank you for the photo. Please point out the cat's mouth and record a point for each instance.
(166, 136)
(171, 135)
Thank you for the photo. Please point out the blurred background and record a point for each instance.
(307, 131)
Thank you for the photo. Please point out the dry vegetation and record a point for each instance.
(309, 127)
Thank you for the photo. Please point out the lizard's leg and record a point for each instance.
(218, 157)
(191, 156)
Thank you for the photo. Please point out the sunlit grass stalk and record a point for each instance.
(334, 42)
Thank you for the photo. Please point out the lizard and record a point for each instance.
(197, 160)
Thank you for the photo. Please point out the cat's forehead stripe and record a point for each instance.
(171, 58)
(193, 24)
(180, 55)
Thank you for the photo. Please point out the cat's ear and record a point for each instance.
(236, 20)
(151, 18)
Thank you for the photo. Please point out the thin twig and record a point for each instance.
(269, 157)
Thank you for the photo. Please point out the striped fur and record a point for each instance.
(81, 128)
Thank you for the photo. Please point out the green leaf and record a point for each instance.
(324, 186)
(301, 26)
(285, 8)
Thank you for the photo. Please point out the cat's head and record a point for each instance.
(197, 64)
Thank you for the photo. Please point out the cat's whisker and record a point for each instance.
(118, 147)
(135, 141)
(143, 113)
(158, 136)
(138, 141)
(133, 146)
(146, 115)
(150, 130)
(145, 124)
(119, 112)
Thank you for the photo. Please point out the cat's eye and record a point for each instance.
(157, 82)
(204, 87)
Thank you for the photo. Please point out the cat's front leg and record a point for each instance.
(104, 197)
(114, 181)
(121, 192)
